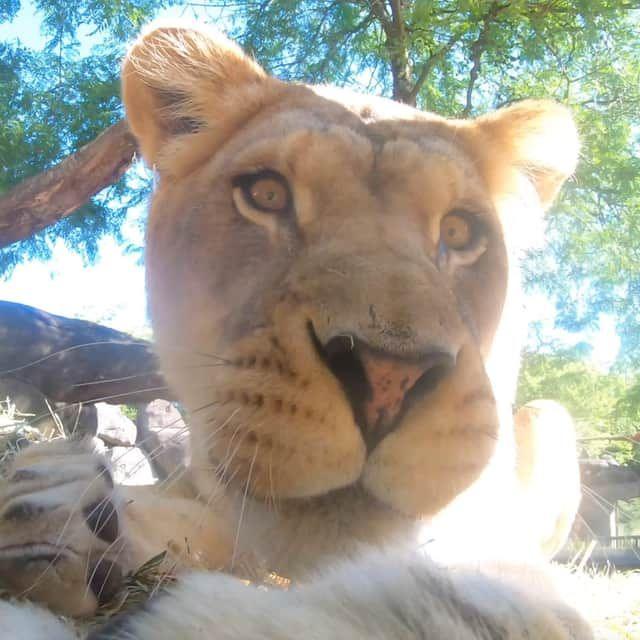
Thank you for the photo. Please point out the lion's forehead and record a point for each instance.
(371, 108)
(335, 141)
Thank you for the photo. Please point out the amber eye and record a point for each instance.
(267, 191)
(456, 231)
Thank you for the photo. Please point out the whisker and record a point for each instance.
(133, 376)
(101, 399)
(242, 507)
(128, 343)
(64, 406)
(148, 373)
(600, 500)
(273, 499)
(158, 449)
(223, 468)
(179, 472)
(89, 578)
(74, 347)
(174, 477)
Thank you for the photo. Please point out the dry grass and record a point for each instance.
(14, 428)
(138, 587)
(610, 601)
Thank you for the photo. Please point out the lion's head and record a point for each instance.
(327, 271)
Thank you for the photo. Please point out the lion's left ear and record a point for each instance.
(538, 137)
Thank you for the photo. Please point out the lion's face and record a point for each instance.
(327, 272)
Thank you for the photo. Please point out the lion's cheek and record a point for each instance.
(309, 457)
(307, 472)
(443, 445)
(281, 440)
(442, 466)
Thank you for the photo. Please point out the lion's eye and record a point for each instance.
(456, 232)
(463, 239)
(267, 191)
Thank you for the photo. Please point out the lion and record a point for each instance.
(333, 286)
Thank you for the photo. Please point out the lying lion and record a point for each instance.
(334, 291)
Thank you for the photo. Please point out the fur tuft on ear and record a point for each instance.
(538, 137)
(176, 79)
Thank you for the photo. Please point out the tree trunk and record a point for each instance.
(392, 24)
(399, 56)
(73, 360)
(40, 201)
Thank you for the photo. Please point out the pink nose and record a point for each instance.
(380, 386)
(389, 380)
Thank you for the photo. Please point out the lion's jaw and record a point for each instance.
(245, 303)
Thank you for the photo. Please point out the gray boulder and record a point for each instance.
(27, 405)
(114, 428)
(163, 436)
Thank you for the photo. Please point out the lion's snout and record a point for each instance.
(381, 385)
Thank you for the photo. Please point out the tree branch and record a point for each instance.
(40, 201)
(478, 48)
(396, 18)
(431, 62)
(396, 46)
(380, 11)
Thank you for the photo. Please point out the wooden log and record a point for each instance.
(72, 360)
(40, 201)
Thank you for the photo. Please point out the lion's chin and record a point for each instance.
(354, 496)
(348, 502)
(364, 487)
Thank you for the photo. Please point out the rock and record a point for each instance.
(79, 419)
(27, 405)
(114, 428)
(163, 435)
(129, 465)
(31, 406)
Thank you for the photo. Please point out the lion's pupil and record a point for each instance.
(268, 193)
(456, 232)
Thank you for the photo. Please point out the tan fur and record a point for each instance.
(278, 460)
(220, 286)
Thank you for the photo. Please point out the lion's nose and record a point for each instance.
(381, 386)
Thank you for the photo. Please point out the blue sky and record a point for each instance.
(111, 291)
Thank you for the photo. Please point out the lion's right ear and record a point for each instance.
(176, 80)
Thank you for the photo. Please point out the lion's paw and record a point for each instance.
(61, 540)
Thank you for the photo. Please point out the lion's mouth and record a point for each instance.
(380, 387)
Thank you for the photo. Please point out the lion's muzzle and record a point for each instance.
(380, 385)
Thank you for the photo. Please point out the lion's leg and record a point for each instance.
(379, 597)
(26, 621)
(194, 533)
(548, 472)
(68, 535)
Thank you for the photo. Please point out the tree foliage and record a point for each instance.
(460, 58)
(456, 57)
(54, 100)
(600, 403)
